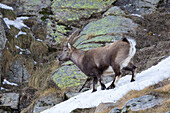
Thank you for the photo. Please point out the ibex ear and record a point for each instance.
(69, 46)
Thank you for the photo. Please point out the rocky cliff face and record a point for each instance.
(32, 33)
(2, 42)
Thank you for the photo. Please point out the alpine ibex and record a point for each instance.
(95, 62)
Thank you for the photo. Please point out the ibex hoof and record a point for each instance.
(132, 80)
(103, 87)
(94, 90)
(111, 87)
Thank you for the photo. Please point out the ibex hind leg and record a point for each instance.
(116, 77)
(131, 67)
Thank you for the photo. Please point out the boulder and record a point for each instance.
(2, 43)
(56, 33)
(2, 35)
(73, 10)
(116, 11)
(46, 102)
(17, 72)
(27, 7)
(104, 31)
(9, 100)
(68, 76)
(138, 6)
(141, 103)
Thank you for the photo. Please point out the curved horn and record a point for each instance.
(72, 36)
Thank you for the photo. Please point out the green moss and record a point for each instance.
(61, 28)
(45, 12)
(71, 10)
(58, 31)
(114, 11)
(68, 76)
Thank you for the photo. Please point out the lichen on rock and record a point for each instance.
(68, 76)
(71, 10)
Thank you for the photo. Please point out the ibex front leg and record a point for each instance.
(87, 80)
(103, 87)
(94, 84)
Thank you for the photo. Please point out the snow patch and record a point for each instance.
(3, 6)
(39, 40)
(87, 99)
(137, 15)
(20, 33)
(9, 83)
(19, 48)
(18, 23)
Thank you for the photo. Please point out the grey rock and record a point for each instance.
(2, 35)
(10, 100)
(114, 11)
(2, 43)
(141, 103)
(2, 111)
(68, 76)
(18, 73)
(107, 30)
(74, 10)
(46, 102)
(27, 7)
(138, 6)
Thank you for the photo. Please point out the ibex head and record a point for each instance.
(68, 47)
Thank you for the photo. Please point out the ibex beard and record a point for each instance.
(95, 62)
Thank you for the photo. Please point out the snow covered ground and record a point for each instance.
(87, 99)
(18, 22)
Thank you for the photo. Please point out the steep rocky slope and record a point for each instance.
(32, 33)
